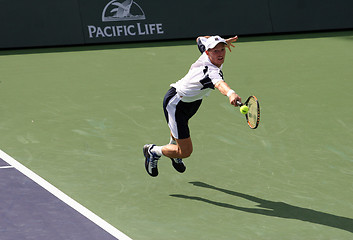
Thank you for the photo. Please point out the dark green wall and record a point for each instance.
(51, 23)
(39, 23)
(311, 15)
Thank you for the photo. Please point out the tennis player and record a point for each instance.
(184, 98)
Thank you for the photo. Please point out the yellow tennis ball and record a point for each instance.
(244, 109)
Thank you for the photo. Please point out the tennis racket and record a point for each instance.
(253, 116)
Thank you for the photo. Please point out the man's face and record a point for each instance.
(217, 54)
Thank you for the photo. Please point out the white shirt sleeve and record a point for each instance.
(215, 75)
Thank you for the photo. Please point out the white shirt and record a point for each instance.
(199, 81)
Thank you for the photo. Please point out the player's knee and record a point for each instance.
(184, 147)
(186, 153)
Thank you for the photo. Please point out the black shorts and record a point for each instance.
(177, 113)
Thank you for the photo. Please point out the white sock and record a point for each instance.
(157, 150)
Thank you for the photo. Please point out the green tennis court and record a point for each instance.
(79, 117)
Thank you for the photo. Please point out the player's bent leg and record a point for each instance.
(179, 149)
(185, 147)
(177, 163)
(182, 149)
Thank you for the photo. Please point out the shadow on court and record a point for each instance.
(276, 209)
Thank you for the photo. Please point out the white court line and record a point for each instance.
(63, 197)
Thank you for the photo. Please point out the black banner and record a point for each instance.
(117, 21)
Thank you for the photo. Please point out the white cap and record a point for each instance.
(213, 41)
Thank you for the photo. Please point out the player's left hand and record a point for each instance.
(230, 41)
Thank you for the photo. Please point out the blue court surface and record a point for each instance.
(31, 208)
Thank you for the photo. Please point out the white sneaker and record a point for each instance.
(151, 160)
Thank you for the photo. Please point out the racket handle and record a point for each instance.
(239, 103)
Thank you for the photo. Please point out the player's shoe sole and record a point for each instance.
(151, 160)
(178, 164)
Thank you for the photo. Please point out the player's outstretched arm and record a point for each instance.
(224, 88)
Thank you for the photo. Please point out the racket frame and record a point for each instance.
(247, 115)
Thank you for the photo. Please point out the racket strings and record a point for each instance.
(253, 114)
